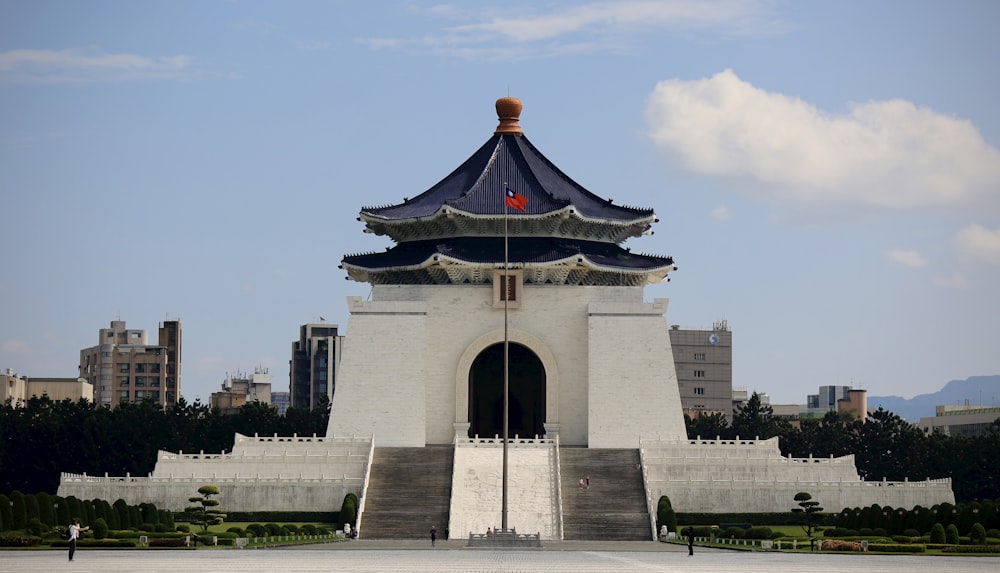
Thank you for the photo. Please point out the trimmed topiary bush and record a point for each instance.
(951, 535)
(257, 529)
(937, 533)
(100, 528)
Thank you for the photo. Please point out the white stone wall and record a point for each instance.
(632, 383)
(533, 504)
(236, 494)
(381, 387)
(750, 476)
(406, 357)
(260, 474)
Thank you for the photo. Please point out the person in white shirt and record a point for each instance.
(74, 534)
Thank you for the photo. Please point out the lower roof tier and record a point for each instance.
(543, 260)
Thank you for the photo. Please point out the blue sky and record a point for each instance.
(826, 174)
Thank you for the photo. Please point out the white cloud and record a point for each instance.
(71, 66)
(907, 258)
(979, 243)
(518, 32)
(721, 213)
(887, 154)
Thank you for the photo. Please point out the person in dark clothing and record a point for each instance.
(434, 535)
(690, 536)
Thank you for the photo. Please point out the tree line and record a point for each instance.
(44, 437)
(884, 445)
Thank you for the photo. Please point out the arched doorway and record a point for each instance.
(526, 378)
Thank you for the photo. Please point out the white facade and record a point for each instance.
(609, 374)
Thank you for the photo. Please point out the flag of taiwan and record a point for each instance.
(515, 199)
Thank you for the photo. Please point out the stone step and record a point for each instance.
(409, 491)
(614, 506)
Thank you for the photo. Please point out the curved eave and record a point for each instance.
(437, 267)
(450, 221)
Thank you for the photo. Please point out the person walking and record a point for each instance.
(434, 535)
(74, 534)
(690, 536)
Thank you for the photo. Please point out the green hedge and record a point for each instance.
(894, 548)
(785, 518)
(972, 549)
(166, 543)
(283, 516)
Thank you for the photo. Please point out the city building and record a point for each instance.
(281, 401)
(313, 368)
(241, 388)
(508, 323)
(124, 367)
(964, 420)
(703, 360)
(20, 389)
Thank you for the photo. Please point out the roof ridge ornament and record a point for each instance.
(509, 112)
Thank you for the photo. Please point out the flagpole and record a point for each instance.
(506, 358)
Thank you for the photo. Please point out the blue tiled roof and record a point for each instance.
(490, 250)
(477, 187)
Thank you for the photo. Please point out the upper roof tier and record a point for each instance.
(470, 200)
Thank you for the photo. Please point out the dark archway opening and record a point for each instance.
(526, 410)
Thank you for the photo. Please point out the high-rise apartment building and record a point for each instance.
(313, 367)
(19, 389)
(124, 367)
(703, 360)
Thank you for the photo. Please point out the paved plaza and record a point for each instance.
(452, 557)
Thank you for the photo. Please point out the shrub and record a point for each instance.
(866, 532)
(994, 533)
(902, 538)
(35, 527)
(18, 540)
(291, 528)
(237, 531)
(166, 542)
(100, 528)
(732, 533)
(879, 532)
(951, 534)
(162, 528)
(978, 534)
(937, 533)
(911, 533)
(309, 529)
(147, 527)
(839, 545)
(257, 529)
(758, 533)
(273, 529)
(888, 548)
(183, 528)
(971, 549)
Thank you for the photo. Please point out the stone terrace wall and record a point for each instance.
(721, 476)
(261, 474)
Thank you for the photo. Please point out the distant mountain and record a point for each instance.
(977, 390)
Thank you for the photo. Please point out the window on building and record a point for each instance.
(699, 390)
(154, 381)
(123, 367)
(699, 373)
(155, 395)
(123, 380)
(123, 395)
(140, 367)
(105, 377)
(140, 381)
(699, 355)
(154, 368)
(139, 394)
